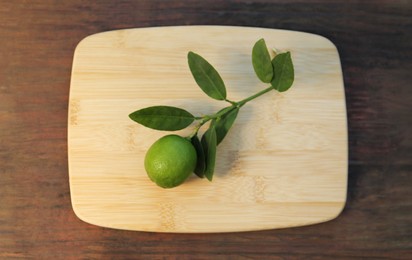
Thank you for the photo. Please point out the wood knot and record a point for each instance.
(74, 108)
(259, 189)
(167, 216)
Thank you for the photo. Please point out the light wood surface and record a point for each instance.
(283, 164)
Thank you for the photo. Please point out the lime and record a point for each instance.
(170, 161)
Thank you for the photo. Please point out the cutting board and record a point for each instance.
(283, 164)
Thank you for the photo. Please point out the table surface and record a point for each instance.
(38, 40)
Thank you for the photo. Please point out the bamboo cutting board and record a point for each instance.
(283, 164)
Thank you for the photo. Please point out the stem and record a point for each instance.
(230, 101)
(206, 118)
(244, 101)
(194, 132)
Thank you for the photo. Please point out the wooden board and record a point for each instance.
(283, 164)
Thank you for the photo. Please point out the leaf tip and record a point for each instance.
(131, 116)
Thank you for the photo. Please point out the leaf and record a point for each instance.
(201, 160)
(163, 118)
(224, 124)
(206, 77)
(261, 61)
(283, 72)
(209, 148)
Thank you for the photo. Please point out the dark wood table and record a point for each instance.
(37, 43)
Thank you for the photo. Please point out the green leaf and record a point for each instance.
(209, 148)
(163, 118)
(206, 77)
(225, 123)
(284, 72)
(261, 61)
(201, 160)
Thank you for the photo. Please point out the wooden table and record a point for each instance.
(37, 43)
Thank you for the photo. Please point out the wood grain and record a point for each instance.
(284, 164)
(38, 39)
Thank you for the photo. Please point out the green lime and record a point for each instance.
(170, 161)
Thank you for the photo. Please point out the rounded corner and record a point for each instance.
(338, 212)
(79, 215)
(83, 41)
(77, 212)
(331, 43)
(322, 38)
